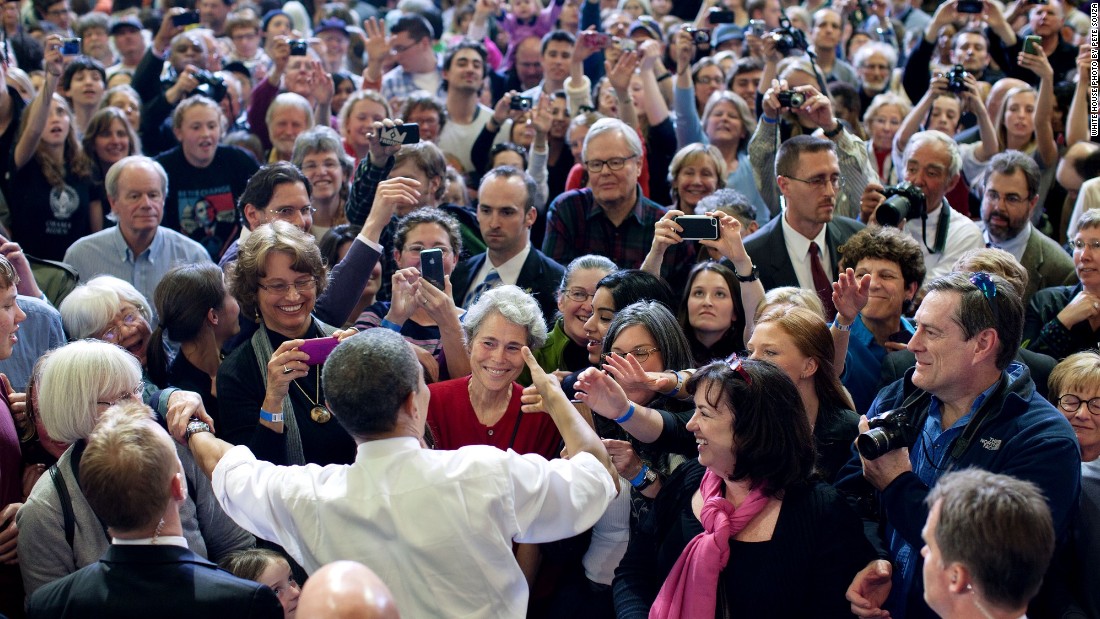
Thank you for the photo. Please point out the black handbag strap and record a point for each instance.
(66, 504)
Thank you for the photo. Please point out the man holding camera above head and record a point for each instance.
(930, 166)
(966, 404)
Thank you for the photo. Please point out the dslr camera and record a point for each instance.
(903, 201)
(789, 38)
(956, 79)
(790, 98)
(893, 430)
(210, 85)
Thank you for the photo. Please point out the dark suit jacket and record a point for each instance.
(540, 276)
(896, 363)
(165, 581)
(768, 250)
(1047, 265)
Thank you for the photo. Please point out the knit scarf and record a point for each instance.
(691, 589)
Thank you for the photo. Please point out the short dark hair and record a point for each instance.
(333, 239)
(1000, 528)
(790, 152)
(661, 324)
(82, 63)
(466, 44)
(428, 215)
(745, 64)
(885, 243)
(250, 563)
(413, 24)
(510, 147)
(367, 378)
(1004, 312)
(632, 285)
(560, 36)
(1008, 162)
(774, 443)
(261, 187)
(969, 30)
(507, 172)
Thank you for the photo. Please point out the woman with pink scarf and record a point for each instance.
(746, 530)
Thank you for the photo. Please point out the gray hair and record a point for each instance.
(110, 183)
(515, 305)
(90, 307)
(605, 125)
(367, 378)
(506, 172)
(921, 138)
(584, 263)
(290, 99)
(321, 139)
(876, 47)
(662, 326)
(1008, 162)
(74, 378)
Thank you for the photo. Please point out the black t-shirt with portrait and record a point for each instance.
(46, 220)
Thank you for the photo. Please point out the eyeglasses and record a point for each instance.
(113, 334)
(286, 212)
(735, 364)
(401, 49)
(708, 81)
(135, 394)
(580, 295)
(984, 282)
(1071, 404)
(329, 165)
(641, 354)
(416, 249)
(281, 288)
(1080, 245)
(1011, 199)
(819, 182)
(59, 12)
(595, 166)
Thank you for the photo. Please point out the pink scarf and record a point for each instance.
(691, 589)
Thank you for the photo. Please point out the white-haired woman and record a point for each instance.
(59, 533)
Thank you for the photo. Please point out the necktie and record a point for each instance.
(492, 280)
(822, 284)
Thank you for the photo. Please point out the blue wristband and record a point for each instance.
(627, 415)
(640, 477)
(271, 417)
(676, 389)
(392, 326)
(770, 121)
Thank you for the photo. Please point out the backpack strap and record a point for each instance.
(66, 504)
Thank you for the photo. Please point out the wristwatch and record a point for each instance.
(648, 480)
(836, 130)
(195, 426)
(751, 277)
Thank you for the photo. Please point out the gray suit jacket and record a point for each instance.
(1047, 264)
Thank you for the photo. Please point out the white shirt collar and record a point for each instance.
(163, 540)
(509, 271)
(799, 245)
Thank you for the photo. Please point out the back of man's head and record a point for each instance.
(999, 528)
(346, 590)
(127, 467)
(367, 378)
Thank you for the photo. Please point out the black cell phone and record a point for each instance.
(1031, 42)
(408, 133)
(720, 16)
(70, 47)
(521, 103)
(431, 267)
(698, 227)
(189, 18)
(299, 47)
(969, 6)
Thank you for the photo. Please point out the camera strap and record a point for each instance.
(941, 228)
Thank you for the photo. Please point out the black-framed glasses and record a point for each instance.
(819, 182)
(735, 363)
(640, 353)
(281, 288)
(579, 295)
(1071, 403)
(595, 166)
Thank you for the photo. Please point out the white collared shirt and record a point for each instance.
(508, 272)
(962, 236)
(436, 526)
(798, 249)
(162, 540)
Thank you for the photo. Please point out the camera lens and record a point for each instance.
(873, 443)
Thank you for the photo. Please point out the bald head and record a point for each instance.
(996, 96)
(346, 590)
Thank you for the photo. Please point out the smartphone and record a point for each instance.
(408, 133)
(720, 16)
(70, 47)
(189, 18)
(318, 349)
(969, 6)
(521, 103)
(596, 40)
(299, 47)
(1031, 42)
(698, 227)
(431, 267)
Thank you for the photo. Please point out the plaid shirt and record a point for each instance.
(398, 84)
(576, 225)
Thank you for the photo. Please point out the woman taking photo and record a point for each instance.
(196, 310)
(798, 341)
(52, 172)
(269, 397)
(793, 544)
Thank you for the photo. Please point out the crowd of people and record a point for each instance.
(549, 309)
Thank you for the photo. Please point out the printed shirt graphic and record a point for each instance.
(207, 216)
